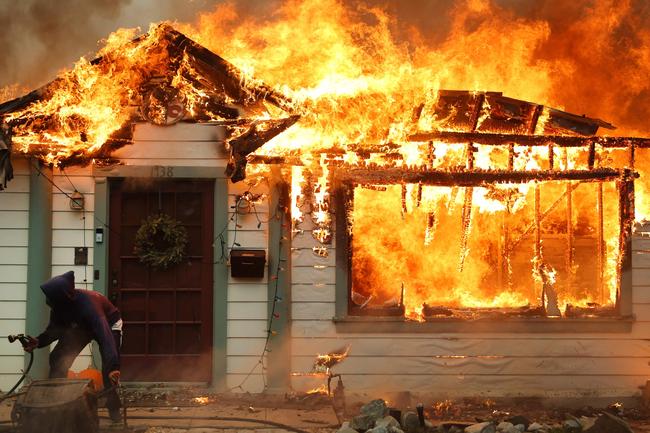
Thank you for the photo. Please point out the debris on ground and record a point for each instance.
(377, 417)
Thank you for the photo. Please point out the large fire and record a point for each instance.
(360, 82)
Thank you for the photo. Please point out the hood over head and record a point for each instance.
(60, 289)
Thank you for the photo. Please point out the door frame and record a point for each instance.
(219, 270)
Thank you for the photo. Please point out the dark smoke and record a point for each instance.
(603, 47)
(41, 37)
(603, 44)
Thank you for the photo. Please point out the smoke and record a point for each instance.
(586, 56)
(597, 52)
(39, 38)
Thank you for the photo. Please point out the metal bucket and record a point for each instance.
(57, 406)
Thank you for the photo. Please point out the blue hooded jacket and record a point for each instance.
(89, 310)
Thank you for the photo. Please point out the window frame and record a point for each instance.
(344, 182)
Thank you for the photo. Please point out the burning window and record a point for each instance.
(543, 248)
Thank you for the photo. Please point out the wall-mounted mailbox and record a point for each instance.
(247, 263)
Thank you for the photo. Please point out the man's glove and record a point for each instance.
(114, 376)
(30, 344)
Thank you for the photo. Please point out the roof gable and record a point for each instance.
(162, 77)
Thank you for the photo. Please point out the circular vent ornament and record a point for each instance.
(163, 105)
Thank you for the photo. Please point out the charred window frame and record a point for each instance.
(348, 318)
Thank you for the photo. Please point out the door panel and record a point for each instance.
(167, 313)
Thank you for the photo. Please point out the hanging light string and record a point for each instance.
(50, 181)
(83, 219)
(278, 214)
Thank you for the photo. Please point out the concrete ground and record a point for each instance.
(193, 410)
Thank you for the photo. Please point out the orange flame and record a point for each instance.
(356, 82)
(329, 360)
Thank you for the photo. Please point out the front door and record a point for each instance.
(167, 313)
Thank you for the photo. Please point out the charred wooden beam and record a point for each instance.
(250, 141)
(469, 177)
(278, 160)
(632, 146)
(626, 219)
(466, 224)
(543, 215)
(6, 169)
(217, 70)
(570, 255)
(118, 139)
(591, 158)
(600, 230)
(528, 140)
(511, 156)
(538, 224)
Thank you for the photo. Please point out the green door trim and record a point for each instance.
(39, 261)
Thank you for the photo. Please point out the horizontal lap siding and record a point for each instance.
(247, 298)
(14, 226)
(190, 145)
(73, 228)
(466, 364)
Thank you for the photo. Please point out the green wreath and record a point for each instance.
(160, 241)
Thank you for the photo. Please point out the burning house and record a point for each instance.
(491, 249)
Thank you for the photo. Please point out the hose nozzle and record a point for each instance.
(18, 337)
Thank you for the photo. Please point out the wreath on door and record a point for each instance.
(161, 241)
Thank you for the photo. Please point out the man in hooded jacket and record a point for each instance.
(77, 317)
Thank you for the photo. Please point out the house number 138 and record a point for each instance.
(162, 171)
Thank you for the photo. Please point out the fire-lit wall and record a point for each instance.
(566, 364)
(14, 225)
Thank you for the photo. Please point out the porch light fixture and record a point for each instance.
(77, 200)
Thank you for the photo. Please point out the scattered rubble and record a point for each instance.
(373, 418)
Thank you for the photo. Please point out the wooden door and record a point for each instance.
(167, 313)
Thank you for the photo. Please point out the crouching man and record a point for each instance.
(77, 317)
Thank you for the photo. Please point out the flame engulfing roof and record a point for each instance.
(163, 77)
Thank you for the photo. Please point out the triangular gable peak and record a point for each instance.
(162, 77)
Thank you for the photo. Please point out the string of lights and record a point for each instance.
(278, 214)
(233, 217)
(83, 219)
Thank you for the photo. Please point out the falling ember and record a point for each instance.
(321, 390)
(201, 400)
(324, 363)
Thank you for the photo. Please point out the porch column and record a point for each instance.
(278, 356)
(39, 261)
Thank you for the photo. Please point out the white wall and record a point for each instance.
(464, 364)
(247, 299)
(73, 228)
(14, 225)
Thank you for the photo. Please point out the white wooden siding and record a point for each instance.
(68, 233)
(14, 225)
(183, 144)
(465, 364)
(247, 298)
